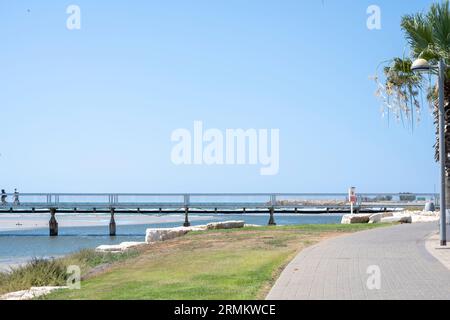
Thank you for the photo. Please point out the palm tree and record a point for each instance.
(428, 35)
(400, 90)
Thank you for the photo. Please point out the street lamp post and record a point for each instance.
(421, 65)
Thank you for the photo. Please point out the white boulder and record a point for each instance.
(392, 217)
(225, 225)
(163, 234)
(355, 218)
(32, 293)
(424, 218)
(412, 217)
(124, 246)
(387, 214)
(397, 219)
(376, 218)
(199, 228)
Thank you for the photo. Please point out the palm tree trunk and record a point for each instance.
(447, 187)
(447, 136)
(447, 143)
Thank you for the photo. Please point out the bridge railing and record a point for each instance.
(209, 201)
(329, 200)
(230, 201)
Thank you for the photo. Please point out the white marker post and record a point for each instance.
(352, 198)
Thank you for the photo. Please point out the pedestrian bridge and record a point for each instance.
(170, 202)
(257, 201)
(205, 203)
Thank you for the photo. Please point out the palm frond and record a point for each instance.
(438, 18)
(419, 35)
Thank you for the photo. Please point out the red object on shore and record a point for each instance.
(352, 198)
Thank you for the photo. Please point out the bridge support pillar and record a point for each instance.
(272, 218)
(53, 224)
(244, 210)
(112, 224)
(186, 218)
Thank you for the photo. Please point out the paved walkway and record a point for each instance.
(337, 268)
(440, 253)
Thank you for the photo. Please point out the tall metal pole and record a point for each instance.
(442, 151)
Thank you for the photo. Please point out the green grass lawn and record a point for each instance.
(223, 265)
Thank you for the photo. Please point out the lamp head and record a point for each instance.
(421, 65)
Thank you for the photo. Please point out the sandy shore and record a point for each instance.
(16, 222)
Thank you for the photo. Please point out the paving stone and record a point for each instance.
(337, 268)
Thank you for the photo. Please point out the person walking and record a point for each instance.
(4, 196)
(16, 198)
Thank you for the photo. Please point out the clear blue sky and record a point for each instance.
(92, 110)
